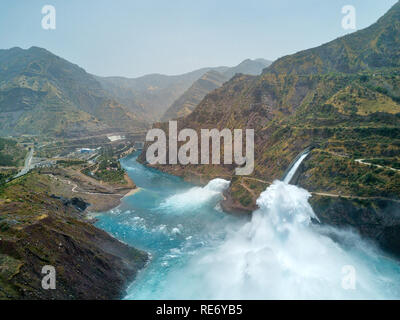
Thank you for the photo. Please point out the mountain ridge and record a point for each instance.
(210, 81)
(41, 93)
(366, 49)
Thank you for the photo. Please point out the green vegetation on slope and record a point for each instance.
(107, 167)
(11, 154)
(342, 175)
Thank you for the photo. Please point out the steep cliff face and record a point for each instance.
(376, 219)
(37, 229)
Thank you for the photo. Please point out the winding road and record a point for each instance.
(27, 165)
(362, 161)
(75, 186)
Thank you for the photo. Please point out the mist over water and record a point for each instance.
(199, 252)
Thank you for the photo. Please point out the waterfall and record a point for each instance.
(292, 170)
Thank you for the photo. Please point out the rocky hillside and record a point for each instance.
(41, 93)
(341, 98)
(210, 81)
(38, 229)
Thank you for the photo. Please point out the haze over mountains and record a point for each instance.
(41, 93)
(210, 81)
(152, 95)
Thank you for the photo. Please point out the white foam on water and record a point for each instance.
(195, 197)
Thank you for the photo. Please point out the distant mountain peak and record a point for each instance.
(210, 81)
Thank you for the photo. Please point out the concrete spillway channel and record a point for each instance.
(289, 174)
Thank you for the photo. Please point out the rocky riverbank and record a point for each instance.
(39, 227)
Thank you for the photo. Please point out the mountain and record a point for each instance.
(210, 81)
(248, 66)
(371, 48)
(150, 95)
(341, 100)
(186, 103)
(41, 93)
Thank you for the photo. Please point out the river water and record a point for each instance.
(200, 252)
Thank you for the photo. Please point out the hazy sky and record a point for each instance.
(131, 38)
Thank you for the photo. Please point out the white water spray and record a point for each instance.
(195, 197)
(279, 254)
